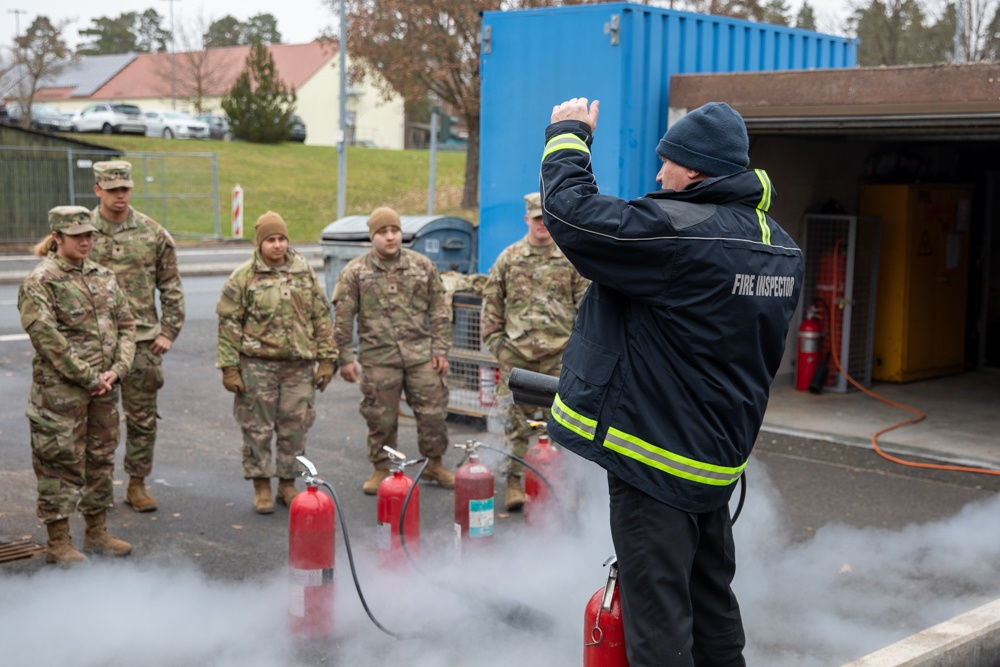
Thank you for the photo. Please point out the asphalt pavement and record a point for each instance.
(840, 552)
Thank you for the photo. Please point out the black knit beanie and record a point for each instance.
(711, 139)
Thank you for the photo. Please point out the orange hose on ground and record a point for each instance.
(920, 416)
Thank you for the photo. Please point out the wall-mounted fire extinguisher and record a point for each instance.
(391, 495)
(474, 490)
(603, 630)
(541, 509)
(807, 360)
(311, 538)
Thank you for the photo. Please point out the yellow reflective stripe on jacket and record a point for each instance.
(562, 142)
(574, 421)
(669, 462)
(765, 204)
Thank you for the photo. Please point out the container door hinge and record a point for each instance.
(487, 39)
(613, 28)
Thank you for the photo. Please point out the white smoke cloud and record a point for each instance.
(826, 601)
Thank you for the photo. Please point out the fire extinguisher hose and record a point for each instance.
(919, 414)
(515, 614)
(354, 572)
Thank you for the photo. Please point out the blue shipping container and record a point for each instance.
(624, 55)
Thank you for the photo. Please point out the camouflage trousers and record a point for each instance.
(139, 388)
(278, 404)
(516, 418)
(73, 440)
(426, 394)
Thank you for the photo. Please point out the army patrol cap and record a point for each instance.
(70, 220)
(111, 175)
(533, 204)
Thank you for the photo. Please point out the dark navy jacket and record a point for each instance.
(666, 376)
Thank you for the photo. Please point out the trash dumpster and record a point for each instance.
(450, 242)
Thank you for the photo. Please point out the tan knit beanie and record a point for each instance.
(268, 224)
(381, 217)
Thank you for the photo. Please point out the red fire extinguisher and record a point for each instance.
(311, 535)
(603, 631)
(474, 489)
(809, 349)
(540, 506)
(391, 495)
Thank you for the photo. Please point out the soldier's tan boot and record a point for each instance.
(138, 497)
(263, 502)
(59, 549)
(98, 540)
(370, 487)
(513, 497)
(435, 470)
(286, 492)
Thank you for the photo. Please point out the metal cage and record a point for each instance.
(841, 270)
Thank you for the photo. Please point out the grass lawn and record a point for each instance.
(297, 181)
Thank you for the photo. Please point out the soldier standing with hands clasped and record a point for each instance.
(275, 349)
(404, 334)
(83, 333)
(141, 254)
(529, 303)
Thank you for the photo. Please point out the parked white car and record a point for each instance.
(109, 119)
(170, 124)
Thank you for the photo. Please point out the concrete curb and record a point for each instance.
(971, 639)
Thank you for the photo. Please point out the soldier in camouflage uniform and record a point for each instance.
(404, 334)
(141, 254)
(274, 326)
(83, 333)
(529, 303)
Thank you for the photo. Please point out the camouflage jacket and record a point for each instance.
(530, 300)
(78, 321)
(401, 309)
(142, 255)
(278, 313)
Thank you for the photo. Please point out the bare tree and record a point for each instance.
(201, 71)
(423, 48)
(38, 54)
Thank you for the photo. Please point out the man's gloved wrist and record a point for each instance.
(232, 380)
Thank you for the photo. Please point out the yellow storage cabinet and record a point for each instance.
(923, 279)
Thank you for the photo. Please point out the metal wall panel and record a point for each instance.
(623, 54)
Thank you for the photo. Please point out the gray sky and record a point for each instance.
(299, 26)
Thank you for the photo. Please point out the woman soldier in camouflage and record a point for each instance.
(275, 349)
(84, 338)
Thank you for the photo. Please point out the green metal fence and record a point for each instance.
(178, 190)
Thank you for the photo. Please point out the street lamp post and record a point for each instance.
(342, 134)
(17, 20)
(173, 65)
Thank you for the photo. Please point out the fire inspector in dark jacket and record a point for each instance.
(666, 376)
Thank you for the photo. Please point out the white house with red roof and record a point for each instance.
(154, 80)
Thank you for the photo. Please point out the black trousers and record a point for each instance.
(675, 573)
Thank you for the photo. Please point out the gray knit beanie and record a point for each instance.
(711, 139)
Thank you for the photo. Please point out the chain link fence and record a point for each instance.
(178, 190)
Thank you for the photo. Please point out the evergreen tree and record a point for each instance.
(259, 104)
(262, 28)
(806, 18)
(227, 31)
(110, 35)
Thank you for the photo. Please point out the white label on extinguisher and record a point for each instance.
(298, 581)
(383, 536)
(481, 517)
